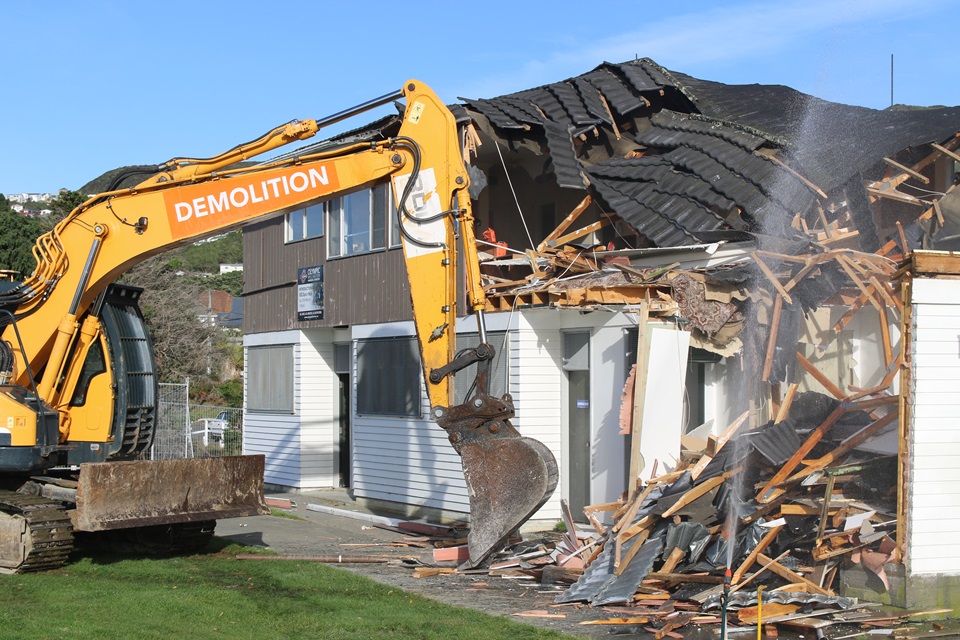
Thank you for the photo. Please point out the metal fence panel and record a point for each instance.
(194, 431)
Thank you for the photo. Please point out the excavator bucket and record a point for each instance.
(121, 495)
(508, 479)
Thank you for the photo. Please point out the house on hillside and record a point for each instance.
(743, 244)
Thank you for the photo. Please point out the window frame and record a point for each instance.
(370, 397)
(274, 378)
(382, 231)
(320, 211)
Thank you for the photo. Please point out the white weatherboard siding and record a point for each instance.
(299, 447)
(404, 460)
(410, 461)
(536, 384)
(934, 500)
(317, 386)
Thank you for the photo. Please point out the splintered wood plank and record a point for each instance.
(804, 180)
(630, 620)
(565, 224)
(914, 174)
(672, 560)
(722, 439)
(820, 377)
(845, 447)
(787, 402)
(643, 525)
(884, 292)
(698, 492)
(772, 278)
(772, 341)
(601, 508)
(618, 569)
(765, 542)
(946, 151)
(844, 262)
(748, 615)
(903, 239)
(655, 576)
(792, 576)
(579, 233)
(827, 496)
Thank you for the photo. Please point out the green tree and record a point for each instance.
(17, 236)
(65, 202)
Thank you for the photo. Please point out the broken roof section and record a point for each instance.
(686, 161)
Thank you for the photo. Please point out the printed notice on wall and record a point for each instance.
(310, 293)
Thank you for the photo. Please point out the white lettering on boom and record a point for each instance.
(253, 193)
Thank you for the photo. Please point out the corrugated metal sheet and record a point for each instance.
(746, 194)
(620, 97)
(549, 104)
(640, 77)
(660, 230)
(694, 123)
(742, 599)
(564, 155)
(831, 142)
(599, 585)
(775, 442)
(572, 103)
(685, 204)
(593, 100)
(494, 114)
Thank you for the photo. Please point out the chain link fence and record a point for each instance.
(187, 430)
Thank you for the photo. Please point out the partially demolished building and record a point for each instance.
(776, 271)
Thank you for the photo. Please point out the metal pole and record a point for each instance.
(360, 108)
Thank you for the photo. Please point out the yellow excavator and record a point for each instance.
(78, 384)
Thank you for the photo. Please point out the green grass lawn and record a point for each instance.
(217, 596)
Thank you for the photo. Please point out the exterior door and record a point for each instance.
(344, 439)
(576, 362)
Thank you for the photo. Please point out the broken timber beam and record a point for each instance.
(767, 493)
(914, 174)
(569, 220)
(721, 440)
(792, 576)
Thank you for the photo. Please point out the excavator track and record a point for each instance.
(35, 533)
(155, 540)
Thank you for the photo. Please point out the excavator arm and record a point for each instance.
(508, 476)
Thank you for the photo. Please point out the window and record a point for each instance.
(305, 223)
(359, 222)
(388, 377)
(269, 374)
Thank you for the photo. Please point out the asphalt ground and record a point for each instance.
(334, 535)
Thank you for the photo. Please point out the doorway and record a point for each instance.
(342, 358)
(576, 363)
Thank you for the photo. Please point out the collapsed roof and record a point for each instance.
(686, 161)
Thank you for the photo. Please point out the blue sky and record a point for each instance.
(94, 85)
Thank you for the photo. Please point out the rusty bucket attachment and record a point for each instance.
(120, 495)
(508, 476)
(508, 480)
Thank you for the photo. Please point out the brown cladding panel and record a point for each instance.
(361, 289)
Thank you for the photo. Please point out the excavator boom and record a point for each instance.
(64, 369)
